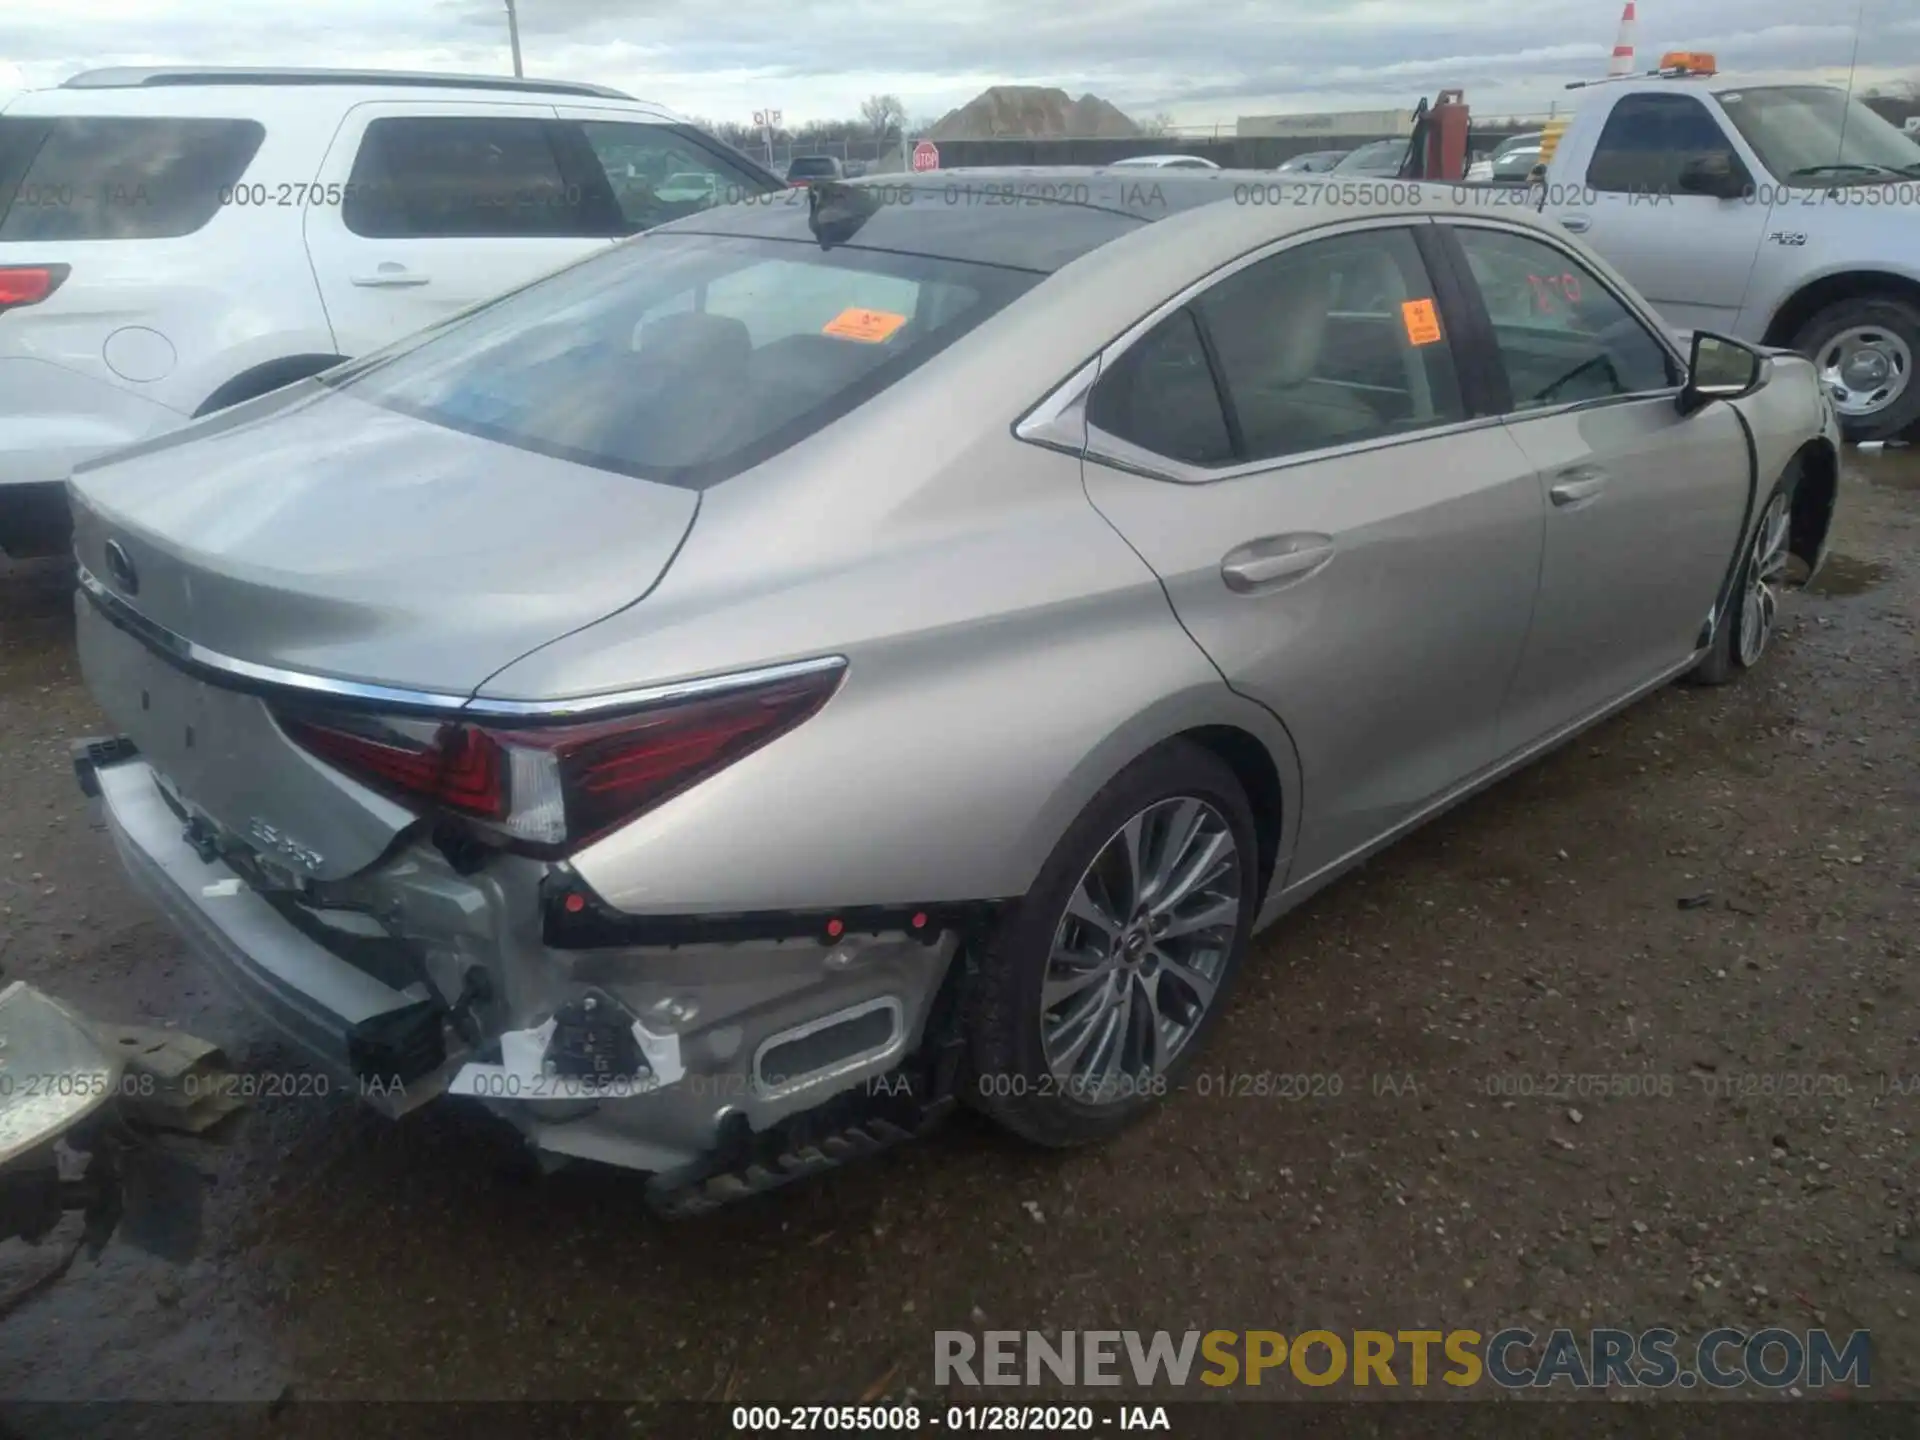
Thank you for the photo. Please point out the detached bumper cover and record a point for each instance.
(317, 1000)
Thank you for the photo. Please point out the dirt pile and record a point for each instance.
(1033, 110)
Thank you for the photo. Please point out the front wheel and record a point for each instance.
(1742, 637)
(1865, 350)
(1095, 995)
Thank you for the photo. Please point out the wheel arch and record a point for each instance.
(269, 375)
(1813, 500)
(1245, 736)
(1817, 294)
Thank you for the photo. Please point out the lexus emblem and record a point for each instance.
(120, 567)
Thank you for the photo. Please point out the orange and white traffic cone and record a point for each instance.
(1622, 63)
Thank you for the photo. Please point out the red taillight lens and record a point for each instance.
(29, 284)
(551, 788)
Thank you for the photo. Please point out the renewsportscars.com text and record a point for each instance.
(1513, 1358)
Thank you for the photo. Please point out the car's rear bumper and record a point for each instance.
(738, 1039)
(311, 996)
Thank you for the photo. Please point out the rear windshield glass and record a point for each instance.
(117, 178)
(819, 165)
(685, 358)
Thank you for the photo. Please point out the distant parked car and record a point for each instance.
(1512, 162)
(1169, 162)
(804, 168)
(1381, 158)
(176, 241)
(1314, 162)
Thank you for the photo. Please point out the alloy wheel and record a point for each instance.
(1765, 565)
(1865, 369)
(1139, 953)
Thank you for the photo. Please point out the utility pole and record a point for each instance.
(513, 36)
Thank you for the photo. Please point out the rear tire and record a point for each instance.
(1868, 347)
(1743, 637)
(1133, 995)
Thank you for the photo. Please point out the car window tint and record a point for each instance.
(464, 177)
(1649, 139)
(1561, 334)
(686, 358)
(117, 178)
(657, 173)
(1331, 343)
(1160, 396)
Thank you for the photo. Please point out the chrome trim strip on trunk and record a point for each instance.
(237, 674)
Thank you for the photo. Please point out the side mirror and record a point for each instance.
(1720, 369)
(1716, 174)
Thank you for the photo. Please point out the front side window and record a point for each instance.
(1331, 343)
(685, 358)
(117, 178)
(463, 177)
(1563, 337)
(1649, 139)
(658, 173)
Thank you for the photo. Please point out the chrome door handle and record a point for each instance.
(1273, 561)
(391, 275)
(1570, 487)
(1578, 224)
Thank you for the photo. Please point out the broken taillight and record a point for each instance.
(22, 285)
(550, 789)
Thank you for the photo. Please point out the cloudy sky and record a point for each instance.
(1203, 63)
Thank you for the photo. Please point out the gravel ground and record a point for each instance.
(1714, 895)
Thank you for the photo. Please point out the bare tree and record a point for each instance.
(1161, 125)
(884, 115)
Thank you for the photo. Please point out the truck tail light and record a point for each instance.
(551, 789)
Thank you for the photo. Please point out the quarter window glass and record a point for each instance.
(657, 174)
(1160, 396)
(1331, 343)
(1561, 334)
(1649, 139)
(462, 177)
(118, 179)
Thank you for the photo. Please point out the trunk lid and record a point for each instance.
(312, 532)
(315, 532)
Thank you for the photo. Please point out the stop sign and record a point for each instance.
(926, 156)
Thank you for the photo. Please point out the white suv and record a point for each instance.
(175, 241)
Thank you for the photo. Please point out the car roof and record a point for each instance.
(232, 90)
(1042, 218)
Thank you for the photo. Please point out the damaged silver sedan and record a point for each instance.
(825, 660)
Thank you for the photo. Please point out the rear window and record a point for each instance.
(464, 177)
(686, 358)
(812, 167)
(117, 178)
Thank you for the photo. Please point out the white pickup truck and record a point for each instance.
(1778, 214)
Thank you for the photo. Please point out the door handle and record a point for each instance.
(1570, 487)
(391, 275)
(1276, 560)
(1578, 224)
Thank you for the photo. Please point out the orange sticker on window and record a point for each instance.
(870, 326)
(1422, 321)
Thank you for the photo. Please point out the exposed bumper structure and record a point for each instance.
(694, 1062)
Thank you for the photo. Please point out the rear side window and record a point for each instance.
(686, 358)
(464, 177)
(1332, 343)
(1649, 139)
(117, 178)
